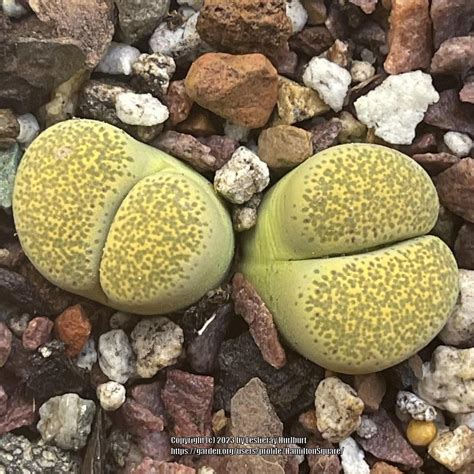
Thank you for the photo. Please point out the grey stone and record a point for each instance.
(116, 358)
(9, 161)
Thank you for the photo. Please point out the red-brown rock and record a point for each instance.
(178, 102)
(312, 40)
(188, 401)
(242, 89)
(250, 306)
(5, 343)
(20, 411)
(222, 148)
(464, 247)
(37, 333)
(73, 328)
(137, 419)
(149, 395)
(409, 36)
(467, 93)
(456, 188)
(244, 26)
(455, 55)
(435, 163)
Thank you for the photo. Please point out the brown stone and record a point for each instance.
(178, 102)
(384, 468)
(435, 163)
(309, 422)
(285, 61)
(340, 53)
(219, 422)
(244, 26)
(242, 89)
(464, 247)
(322, 463)
(221, 146)
(5, 343)
(449, 113)
(426, 143)
(250, 306)
(455, 55)
(199, 124)
(451, 18)
(187, 148)
(9, 129)
(284, 146)
(456, 188)
(371, 389)
(37, 333)
(73, 328)
(188, 401)
(367, 6)
(137, 419)
(317, 11)
(409, 36)
(312, 40)
(467, 93)
(325, 134)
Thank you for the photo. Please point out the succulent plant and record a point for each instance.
(340, 258)
(120, 222)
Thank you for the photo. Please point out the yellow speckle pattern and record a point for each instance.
(69, 187)
(336, 257)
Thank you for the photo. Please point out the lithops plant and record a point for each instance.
(340, 258)
(107, 217)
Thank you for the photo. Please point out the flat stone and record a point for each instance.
(178, 102)
(322, 463)
(436, 163)
(242, 89)
(456, 188)
(37, 333)
(149, 395)
(291, 388)
(451, 114)
(244, 26)
(455, 55)
(284, 146)
(409, 36)
(188, 403)
(464, 247)
(388, 444)
(250, 306)
(370, 389)
(73, 328)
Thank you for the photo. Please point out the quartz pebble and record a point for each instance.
(157, 342)
(459, 143)
(37, 333)
(353, 458)
(111, 395)
(182, 42)
(140, 109)
(454, 449)
(418, 409)
(338, 409)
(116, 357)
(118, 59)
(14, 8)
(73, 328)
(361, 71)
(409, 36)
(448, 380)
(329, 80)
(244, 216)
(297, 14)
(29, 129)
(152, 73)
(397, 106)
(459, 330)
(242, 176)
(88, 356)
(66, 420)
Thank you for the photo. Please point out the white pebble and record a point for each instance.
(352, 458)
(111, 395)
(116, 358)
(88, 356)
(397, 106)
(297, 14)
(118, 59)
(329, 80)
(418, 409)
(140, 109)
(362, 71)
(242, 176)
(459, 143)
(29, 129)
(13, 8)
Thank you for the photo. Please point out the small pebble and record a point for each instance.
(73, 328)
(140, 109)
(158, 343)
(353, 457)
(118, 59)
(152, 73)
(339, 53)
(459, 143)
(178, 102)
(297, 14)
(88, 356)
(329, 80)
(414, 406)
(111, 395)
(116, 358)
(37, 333)
(9, 160)
(367, 428)
(9, 129)
(370, 389)
(13, 8)
(66, 421)
(29, 129)
(362, 71)
(244, 216)
(4, 401)
(5, 343)
(236, 132)
(421, 433)
(242, 176)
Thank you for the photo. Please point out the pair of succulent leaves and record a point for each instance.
(338, 254)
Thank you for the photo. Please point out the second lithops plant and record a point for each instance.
(340, 258)
(107, 217)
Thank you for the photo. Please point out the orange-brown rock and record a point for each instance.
(73, 328)
(178, 102)
(371, 390)
(240, 88)
(409, 36)
(244, 26)
(384, 468)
